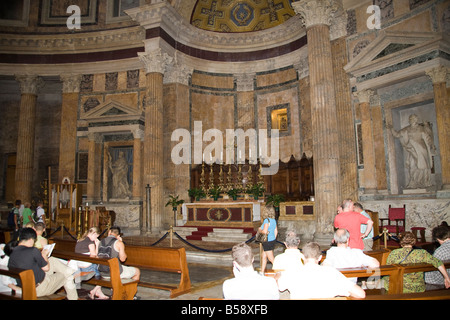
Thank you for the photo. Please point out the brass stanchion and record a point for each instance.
(171, 236)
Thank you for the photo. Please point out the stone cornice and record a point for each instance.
(115, 39)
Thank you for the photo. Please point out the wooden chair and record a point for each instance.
(395, 217)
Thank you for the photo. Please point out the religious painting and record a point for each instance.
(278, 117)
(82, 166)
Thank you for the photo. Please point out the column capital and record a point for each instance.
(177, 73)
(30, 83)
(155, 61)
(438, 74)
(95, 137)
(71, 82)
(364, 95)
(316, 12)
(138, 134)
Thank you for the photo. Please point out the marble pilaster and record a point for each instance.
(94, 162)
(29, 86)
(68, 135)
(442, 104)
(317, 17)
(369, 182)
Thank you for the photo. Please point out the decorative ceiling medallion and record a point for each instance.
(240, 15)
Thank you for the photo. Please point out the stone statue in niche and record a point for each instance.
(119, 170)
(417, 142)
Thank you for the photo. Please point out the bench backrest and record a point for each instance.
(163, 259)
(27, 280)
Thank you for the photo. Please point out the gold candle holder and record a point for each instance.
(202, 177)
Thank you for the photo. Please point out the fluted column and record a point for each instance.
(176, 97)
(369, 173)
(317, 16)
(442, 105)
(68, 135)
(29, 86)
(347, 137)
(155, 64)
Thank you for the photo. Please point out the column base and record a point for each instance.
(323, 239)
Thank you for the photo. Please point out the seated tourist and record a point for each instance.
(50, 274)
(247, 283)
(442, 235)
(413, 282)
(292, 257)
(7, 284)
(342, 256)
(314, 281)
(41, 242)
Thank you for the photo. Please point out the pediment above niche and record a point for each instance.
(393, 53)
(112, 111)
(391, 47)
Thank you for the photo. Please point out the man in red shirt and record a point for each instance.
(352, 221)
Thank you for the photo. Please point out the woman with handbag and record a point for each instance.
(268, 227)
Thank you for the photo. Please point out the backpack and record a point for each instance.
(11, 222)
(105, 251)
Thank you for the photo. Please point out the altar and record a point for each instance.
(222, 214)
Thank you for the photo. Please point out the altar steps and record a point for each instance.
(215, 234)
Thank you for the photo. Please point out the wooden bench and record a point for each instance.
(123, 289)
(156, 259)
(161, 259)
(26, 278)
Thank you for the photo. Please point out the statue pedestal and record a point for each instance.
(414, 191)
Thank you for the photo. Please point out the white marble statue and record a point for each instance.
(119, 170)
(417, 142)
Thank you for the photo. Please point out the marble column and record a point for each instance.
(29, 86)
(317, 16)
(68, 135)
(369, 173)
(442, 104)
(177, 116)
(345, 114)
(155, 63)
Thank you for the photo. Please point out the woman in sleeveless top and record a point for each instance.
(88, 244)
(269, 226)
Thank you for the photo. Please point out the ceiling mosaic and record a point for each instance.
(240, 15)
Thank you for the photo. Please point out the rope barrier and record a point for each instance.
(208, 250)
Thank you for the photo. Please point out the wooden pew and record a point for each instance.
(123, 289)
(26, 278)
(151, 258)
(161, 259)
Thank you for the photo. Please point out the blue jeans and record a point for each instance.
(92, 267)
